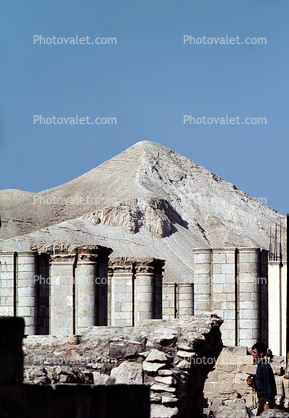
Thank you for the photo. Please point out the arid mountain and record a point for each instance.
(148, 200)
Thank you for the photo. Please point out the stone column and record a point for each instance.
(26, 290)
(185, 300)
(169, 300)
(8, 260)
(62, 315)
(223, 289)
(85, 288)
(122, 291)
(249, 296)
(144, 290)
(202, 280)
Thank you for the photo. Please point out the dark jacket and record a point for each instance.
(265, 381)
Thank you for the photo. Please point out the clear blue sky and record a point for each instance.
(148, 81)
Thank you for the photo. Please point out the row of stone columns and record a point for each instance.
(18, 288)
(70, 287)
(134, 290)
(76, 273)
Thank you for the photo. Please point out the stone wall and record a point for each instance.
(227, 382)
(178, 300)
(173, 357)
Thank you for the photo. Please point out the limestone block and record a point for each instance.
(160, 387)
(169, 399)
(218, 278)
(230, 297)
(219, 258)
(249, 314)
(165, 339)
(152, 368)
(156, 356)
(164, 372)
(166, 380)
(128, 373)
(246, 334)
(247, 304)
(227, 305)
(218, 296)
(161, 411)
(227, 268)
(225, 368)
(217, 288)
(185, 354)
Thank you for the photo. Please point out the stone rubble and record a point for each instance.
(136, 355)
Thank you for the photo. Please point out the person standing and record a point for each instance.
(263, 381)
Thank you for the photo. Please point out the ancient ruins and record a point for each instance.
(147, 235)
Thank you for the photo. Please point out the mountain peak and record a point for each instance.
(148, 183)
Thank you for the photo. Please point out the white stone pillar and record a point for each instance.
(144, 290)
(122, 291)
(85, 289)
(223, 289)
(202, 280)
(62, 290)
(249, 296)
(26, 306)
(7, 283)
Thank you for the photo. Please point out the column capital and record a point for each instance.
(149, 265)
(86, 254)
(118, 264)
(68, 252)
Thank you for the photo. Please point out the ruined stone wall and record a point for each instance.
(22, 400)
(173, 357)
(227, 382)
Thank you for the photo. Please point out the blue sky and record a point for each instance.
(149, 80)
